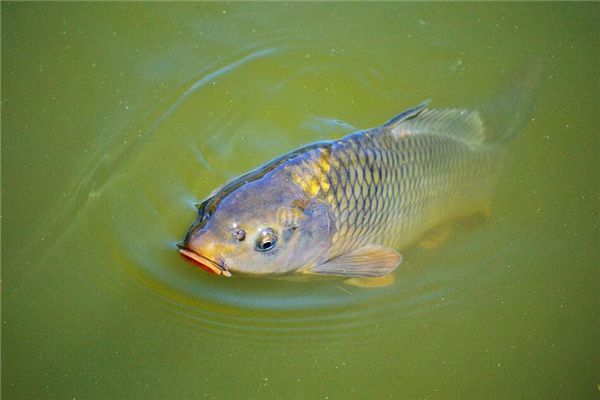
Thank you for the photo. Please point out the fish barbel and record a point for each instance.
(346, 207)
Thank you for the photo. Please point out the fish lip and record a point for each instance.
(212, 266)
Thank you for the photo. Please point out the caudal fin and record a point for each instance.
(510, 108)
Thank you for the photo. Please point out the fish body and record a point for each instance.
(346, 207)
(389, 185)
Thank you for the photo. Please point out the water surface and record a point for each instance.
(118, 118)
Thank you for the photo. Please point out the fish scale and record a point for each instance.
(390, 188)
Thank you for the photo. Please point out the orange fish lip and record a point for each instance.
(205, 263)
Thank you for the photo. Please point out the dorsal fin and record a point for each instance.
(461, 124)
(406, 114)
(505, 113)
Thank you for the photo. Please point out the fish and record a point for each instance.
(347, 207)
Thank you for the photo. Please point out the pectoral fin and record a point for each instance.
(366, 261)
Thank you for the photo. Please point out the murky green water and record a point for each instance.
(116, 118)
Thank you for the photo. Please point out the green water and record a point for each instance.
(117, 117)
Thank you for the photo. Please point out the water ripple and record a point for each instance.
(139, 197)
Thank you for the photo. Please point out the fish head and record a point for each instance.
(265, 226)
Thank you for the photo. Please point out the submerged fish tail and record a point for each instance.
(508, 110)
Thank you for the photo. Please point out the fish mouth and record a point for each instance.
(205, 263)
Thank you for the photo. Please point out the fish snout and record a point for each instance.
(200, 250)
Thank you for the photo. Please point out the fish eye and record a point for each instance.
(238, 234)
(267, 239)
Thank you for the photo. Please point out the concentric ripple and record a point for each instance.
(136, 198)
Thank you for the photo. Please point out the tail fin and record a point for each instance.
(507, 112)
